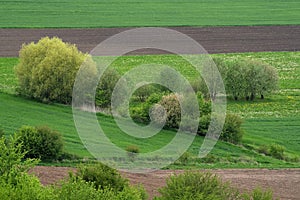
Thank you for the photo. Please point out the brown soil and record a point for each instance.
(213, 39)
(284, 182)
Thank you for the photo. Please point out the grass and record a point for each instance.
(132, 13)
(273, 120)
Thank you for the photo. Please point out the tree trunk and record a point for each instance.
(252, 97)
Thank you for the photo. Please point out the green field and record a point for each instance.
(131, 13)
(273, 120)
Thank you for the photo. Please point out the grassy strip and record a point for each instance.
(132, 13)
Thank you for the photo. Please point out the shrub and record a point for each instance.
(232, 131)
(203, 124)
(196, 185)
(12, 160)
(264, 149)
(277, 151)
(106, 181)
(132, 151)
(27, 187)
(40, 142)
(173, 110)
(102, 176)
(258, 194)
(47, 70)
(106, 87)
(144, 92)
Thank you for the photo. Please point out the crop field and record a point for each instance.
(131, 13)
(273, 120)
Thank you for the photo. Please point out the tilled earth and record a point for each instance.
(213, 39)
(285, 183)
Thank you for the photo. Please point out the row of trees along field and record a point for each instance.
(47, 72)
(243, 78)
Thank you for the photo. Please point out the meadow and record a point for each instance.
(273, 120)
(132, 13)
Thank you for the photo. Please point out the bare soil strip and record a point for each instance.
(284, 182)
(213, 39)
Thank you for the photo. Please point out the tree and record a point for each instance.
(214, 73)
(250, 78)
(47, 70)
(106, 87)
(235, 79)
(269, 80)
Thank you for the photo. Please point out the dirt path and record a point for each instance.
(213, 39)
(284, 182)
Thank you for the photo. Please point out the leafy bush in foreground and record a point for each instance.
(102, 176)
(12, 163)
(40, 142)
(196, 185)
(206, 186)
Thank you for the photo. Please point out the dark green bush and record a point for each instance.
(277, 151)
(106, 87)
(47, 70)
(139, 112)
(203, 124)
(196, 185)
(232, 131)
(144, 92)
(40, 142)
(102, 176)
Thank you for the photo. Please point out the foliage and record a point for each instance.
(102, 176)
(144, 92)
(139, 111)
(232, 131)
(249, 78)
(77, 188)
(26, 187)
(12, 162)
(172, 109)
(196, 185)
(105, 87)
(258, 194)
(40, 142)
(277, 151)
(47, 70)
(106, 181)
(274, 150)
